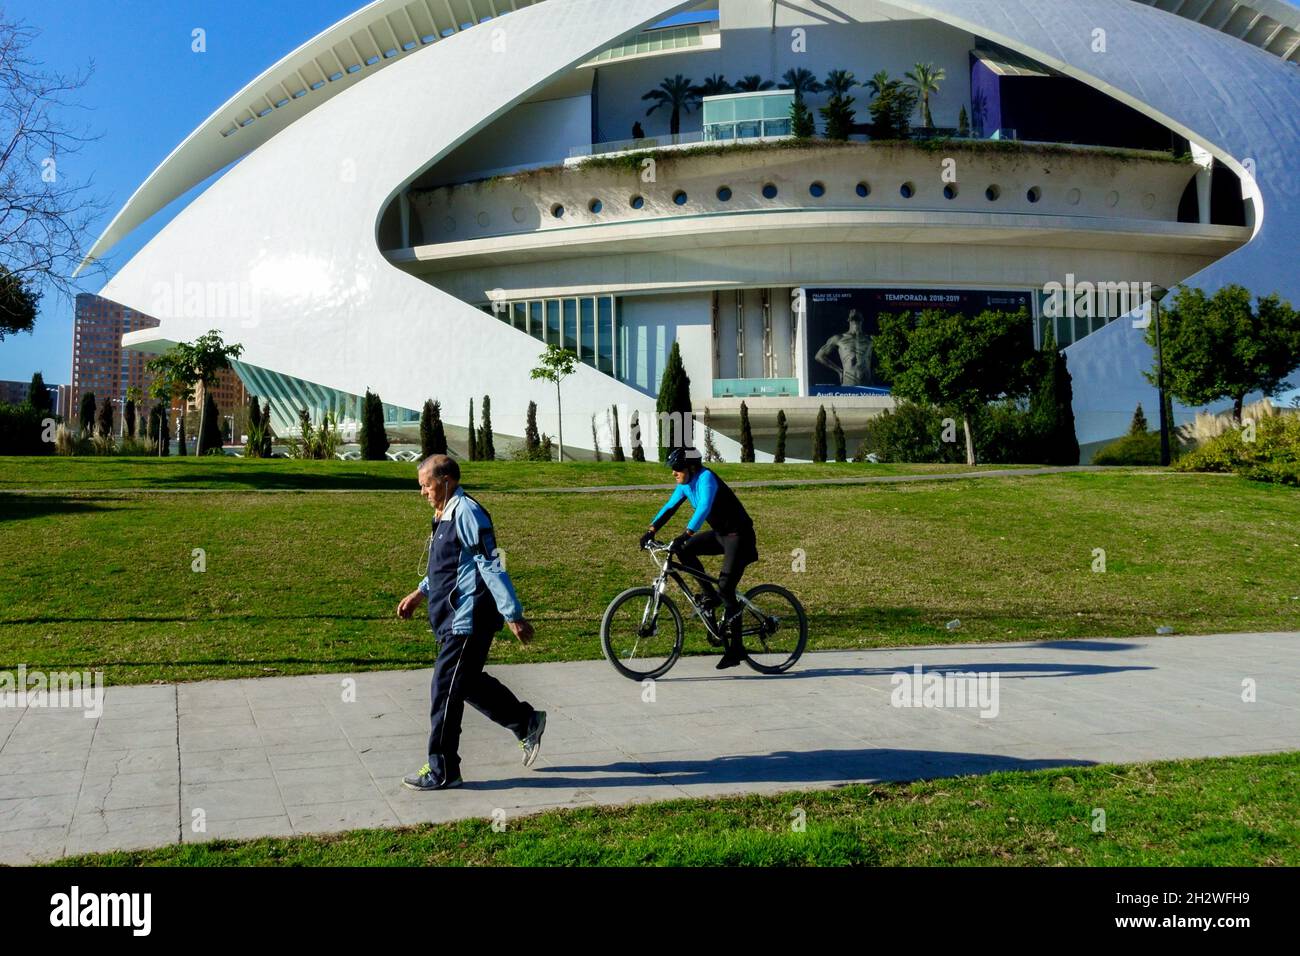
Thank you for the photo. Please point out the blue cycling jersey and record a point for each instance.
(713, 502)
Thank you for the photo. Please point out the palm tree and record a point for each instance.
(879, 83)
(839, 82)
(715, 85)
(753, 84)
(677, 94)
(801, 81)
(926, 78)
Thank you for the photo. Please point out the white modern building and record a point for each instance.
(420, 199)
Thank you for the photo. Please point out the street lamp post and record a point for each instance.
(1157, 296)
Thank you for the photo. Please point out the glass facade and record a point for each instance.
(747, 115)
(589, 326)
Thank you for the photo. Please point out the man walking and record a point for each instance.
(470, 597)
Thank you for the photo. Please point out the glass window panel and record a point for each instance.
(1081, 327)
(588, 353)
(536, 323)
(605, 309)
(520, 311)
(1064, 331)
(571, 324)
(553, 322)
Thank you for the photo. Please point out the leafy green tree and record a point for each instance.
(473, 434)
(555, 365)
(104, 421)
(819, 436)
(208, 357)
(715, 85)
(802, 81)
(678, 95)
(1219, 346)
(210, 427)
(487, 449)
(1051, 408)
(638, 447)
(892, 105)
(19, 301)
(925, 79)
(618, 440)
(1139, 426)
(174, 378)
(38, 396)
(253, 446)
(674, 405)
(839, 117)
(373, 438)
(746, 435)
(532, 440)
(839, 82)
(87, 414)
(946, 358)
(781, 429)
(753, 83)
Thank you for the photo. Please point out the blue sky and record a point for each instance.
(149, 91)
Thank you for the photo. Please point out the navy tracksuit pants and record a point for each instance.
(458, 679)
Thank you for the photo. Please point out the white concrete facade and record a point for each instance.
(339, 281)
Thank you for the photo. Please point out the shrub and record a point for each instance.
(1141, 449)
(781, 429)
(1274, 455)
(374, 440)
(912, 433)
(21, 430)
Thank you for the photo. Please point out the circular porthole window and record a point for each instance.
(770, 191)
(817, 190)
(680, 198)
(483, 219)
(907, 190)
(1034, 194)
(864, 190)
(1112, 199)
(950, 191)
(637, 202)
(993, 194)
(1073, 197)
(557, 211)
(724, 194)
(595, 206)
(518, 214)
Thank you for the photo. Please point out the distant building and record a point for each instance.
(99, 363)
(15, 393)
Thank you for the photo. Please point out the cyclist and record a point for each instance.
(732, 536)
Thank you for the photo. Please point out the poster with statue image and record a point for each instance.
(843, 324)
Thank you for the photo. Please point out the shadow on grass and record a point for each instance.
(22, 507)
(286, 481)
(784, 767)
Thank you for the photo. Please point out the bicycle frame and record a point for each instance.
(669, 569)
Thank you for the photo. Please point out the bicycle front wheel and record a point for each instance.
(774, 629)
(641, 634)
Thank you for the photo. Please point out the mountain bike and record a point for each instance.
(642, 630)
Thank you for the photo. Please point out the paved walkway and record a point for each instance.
(287, 755)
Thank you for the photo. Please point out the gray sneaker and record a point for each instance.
(532, 744)
(423, 779)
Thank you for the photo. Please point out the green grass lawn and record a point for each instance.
(1236, 811)
(233, 474)
(309, 582)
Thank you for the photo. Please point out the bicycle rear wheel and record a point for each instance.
(641, 636)
(774, 629)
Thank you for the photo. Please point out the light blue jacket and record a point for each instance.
(478, 557)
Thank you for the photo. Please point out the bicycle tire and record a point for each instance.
(605, 638)
(800, 617)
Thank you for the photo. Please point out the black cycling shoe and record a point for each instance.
(730, 660)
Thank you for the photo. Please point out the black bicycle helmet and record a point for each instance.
(679, 459)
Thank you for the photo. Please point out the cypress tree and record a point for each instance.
(210, 439)
(532, 441)
(781, 428)
(819, 436)
(87, 414)
(374, 440)
(746, 436)
(1139, 424)
(105, 422)
(802, 123)
(129, 415)
(487, 449)
(181, 445)
(253, 447)
(268, 433)
(38, 396)
(1051, 408)
(638, 448)
(618, 440)
(841, 453)
(473, 435)
(674, 405)
(426, 429)
(438, 443)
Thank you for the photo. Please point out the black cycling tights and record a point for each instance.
(736, 551)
